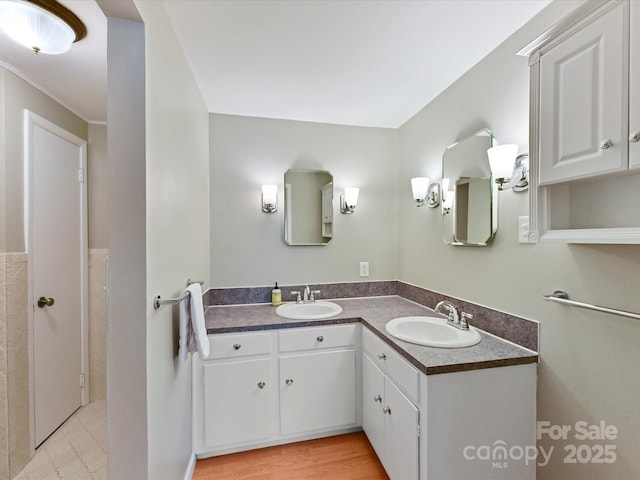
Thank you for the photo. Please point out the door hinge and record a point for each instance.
(82, 379)
(418, 430)
(81, 175)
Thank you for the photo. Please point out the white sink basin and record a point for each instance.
(431, 332)
(308, 311)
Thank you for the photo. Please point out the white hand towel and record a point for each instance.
(193, 332)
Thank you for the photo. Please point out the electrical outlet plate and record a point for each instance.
(524, 235)
(364, 269)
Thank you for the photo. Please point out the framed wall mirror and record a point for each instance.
(470, 206)
(308, 207)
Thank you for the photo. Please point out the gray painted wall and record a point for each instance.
(247, 247)
(98, 185)
(177, 242)
(127, 301)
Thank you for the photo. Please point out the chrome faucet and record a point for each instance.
(453, 315)
(306, 295)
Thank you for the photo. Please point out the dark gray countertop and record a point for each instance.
(374, 313)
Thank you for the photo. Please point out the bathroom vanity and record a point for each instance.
(430, 413)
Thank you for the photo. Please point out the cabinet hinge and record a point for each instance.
(82, 380)
(81, 175)
(418, 431)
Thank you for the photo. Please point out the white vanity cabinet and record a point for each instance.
(430, 427)
(276, 386)
(390, 418)
(391, 422)
(239, 391)
(584, 143)
(317, 379)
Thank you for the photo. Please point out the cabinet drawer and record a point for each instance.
(402, 373)
(233, 345)
(328, 336)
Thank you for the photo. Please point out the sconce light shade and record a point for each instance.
(502, 159)
(45, 26)
(269, 198)
(349, 199)
(420, 189)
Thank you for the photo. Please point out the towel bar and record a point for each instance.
(158, 301)
(561, 297)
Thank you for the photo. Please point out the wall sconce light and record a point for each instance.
(349, 199)
(420, 188)
(269, 198)
(45, 26)
(509, 169)
(425, 193)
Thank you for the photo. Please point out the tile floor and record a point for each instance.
(76, 451)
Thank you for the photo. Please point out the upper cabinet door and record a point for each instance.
(583, 95)
(634, 87)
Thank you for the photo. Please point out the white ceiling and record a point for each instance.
(354, 62)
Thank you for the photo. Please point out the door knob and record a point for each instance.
(44, 301)
(634, 137)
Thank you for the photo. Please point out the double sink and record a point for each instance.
(430, 331)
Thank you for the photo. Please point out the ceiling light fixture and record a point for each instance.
(44, 26)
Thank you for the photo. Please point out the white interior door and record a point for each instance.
(57, 248)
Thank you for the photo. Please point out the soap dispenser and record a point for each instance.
(276, 296)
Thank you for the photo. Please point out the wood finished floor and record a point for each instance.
(342, 457)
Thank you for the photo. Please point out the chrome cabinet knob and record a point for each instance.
(606, 144)
(377, 398)
(320, 338)
(382, 356)
(261, 385)
(45, 302)
(386, 410)
(237, 346)
(289, 381)
(634, 137)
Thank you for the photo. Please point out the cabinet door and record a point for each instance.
(401, 434)
(583, 102)
(317, 391)
(372, 398)
(634, 87)
(237, 402)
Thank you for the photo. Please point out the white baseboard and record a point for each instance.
(190, 468)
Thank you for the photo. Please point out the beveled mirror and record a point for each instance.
(308, 207)
(469, 208)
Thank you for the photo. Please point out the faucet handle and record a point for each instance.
(464, 321)
(313, 292)
(295, 292)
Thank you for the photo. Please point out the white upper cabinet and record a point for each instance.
(634, 87)
(583, 102)
(584, 142)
